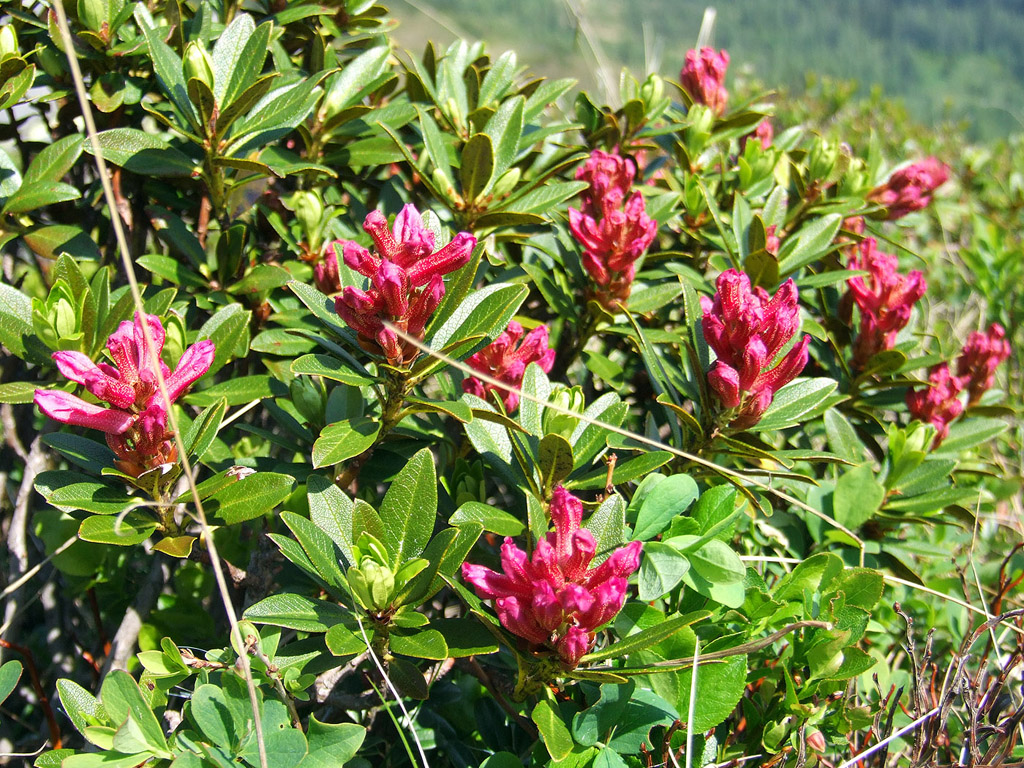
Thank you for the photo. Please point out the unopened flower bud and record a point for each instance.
(567, 399)
(506, 183)
(8, 41)
(816, 741)
(309, 210)
(197, 64)
(652, 90)
(248, 634)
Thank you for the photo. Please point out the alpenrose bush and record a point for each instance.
(511, 409)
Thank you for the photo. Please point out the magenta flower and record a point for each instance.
(764, 133)
(613, 235)
(554, 599)
(747, 329)
(910, 189)
(979, 359)
(136, 425)
(504, 361)
(325, 274)
(885, 299)
(703, 77)
(939, 403)
(406, 281)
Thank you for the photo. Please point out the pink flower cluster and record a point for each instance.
(614, 231)
(703, 77)
(406, 281)
(979, 359)
(940, 403)
(747, 328)
(136, 425)
(502, 359)
(885, 298)
(554, 599)
(910, 189)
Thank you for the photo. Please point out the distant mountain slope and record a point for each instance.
(944, 58)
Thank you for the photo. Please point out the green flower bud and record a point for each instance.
(506, 183)
(380, 582)
(197, 64)
(64, 318)
(8, 41)
(248, 633)
(442, 183)
(566, 398)
(309, 210)
(652, 90)
(359, 586)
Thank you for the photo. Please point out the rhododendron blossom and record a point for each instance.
(747, 329)
(554, 599)
(406, 281)
(910, 189)
(326, 276)
(703, 77)
(506, 359)
(885, 298)
(613, 235)
(939, 403)
(136, 425)
(979, 359)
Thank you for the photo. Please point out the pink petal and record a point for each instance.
(66, 408)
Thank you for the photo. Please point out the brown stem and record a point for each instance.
(203, 225)
(44, 702)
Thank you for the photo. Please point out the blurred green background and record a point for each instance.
(947, 60)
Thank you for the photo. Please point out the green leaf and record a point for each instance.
(842, 437)
(607, 525)
(71, 490)
(10, 673)
(332, 744)
(477, 168)
(53, 240)
(435, 144)
(173, 270)
(969, 433)
(320, 550)
(662, 569)
(407, 678)
(38, 194)
(221, 716)
(262, 278)
(342, 641)
(228, 329)
(932, 501)
(862, 587)
(420, 644)
(715, 561)
(120, 530)
(624, 472)
(343, 440)
(238, 391)
(719, 689)
(855, 663)
(143, 153)
(200, 436)
(409, 508)
(122, 700)
(250, 497)
(485, 312)
(281, 341)
(810, 243)
(653, 298)
(491, 518)
(55, 160)
(81, 706)
(795, 401)
(554, 460)
(332, 512)
(505, 129)
(227, 58)
(645, 638)
(330, 368)
(17, 392)
(15, 319)
(857, 496)
(82, 451)
(465, 637)
(671, 497)
(297, 612)
(556, 736)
